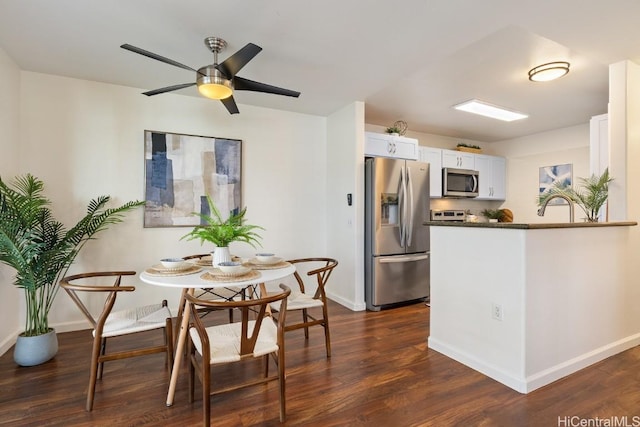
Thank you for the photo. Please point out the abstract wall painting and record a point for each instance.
(180, 170)
(555, 175)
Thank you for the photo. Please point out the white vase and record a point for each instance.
(221, 254)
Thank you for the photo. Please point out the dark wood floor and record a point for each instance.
(381, 374)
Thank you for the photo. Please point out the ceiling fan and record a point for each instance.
(218, 81)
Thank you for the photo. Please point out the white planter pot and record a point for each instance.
(221, 255)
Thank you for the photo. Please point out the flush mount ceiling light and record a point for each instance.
(485, 109)
(549, 71)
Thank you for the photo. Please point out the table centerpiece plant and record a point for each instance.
(590, 196)
(222, 232)
(41, 249)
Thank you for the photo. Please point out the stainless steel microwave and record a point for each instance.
(459, 182)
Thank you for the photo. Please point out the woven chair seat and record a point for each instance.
(225, 340)
(298, 301)
(136, 319)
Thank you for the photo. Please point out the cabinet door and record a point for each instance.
(450, 159)
(458, 159)
(485, 181)
(491, 176)
(499, 176)
(397, 147)
(377, 145)
(467, 160)
(405, 148)
(433, 156)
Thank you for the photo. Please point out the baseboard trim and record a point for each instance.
(353, 306)
(561, 370)
(476, 364)
(542, 378)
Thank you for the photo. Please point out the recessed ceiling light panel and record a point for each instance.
(485, 109)
(549, 71)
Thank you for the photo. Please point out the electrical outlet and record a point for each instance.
(496, 311)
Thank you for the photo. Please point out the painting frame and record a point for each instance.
(180, 170)
(549, 176)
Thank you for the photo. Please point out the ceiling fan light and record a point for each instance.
(549, 71)
(212, 85)
(215, 90)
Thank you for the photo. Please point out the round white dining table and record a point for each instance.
(190, 282)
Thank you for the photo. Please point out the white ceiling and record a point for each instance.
(407, 60)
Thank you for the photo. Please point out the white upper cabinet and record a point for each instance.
(458, 159)
(433, 156)
(386, 145)
(492, 176)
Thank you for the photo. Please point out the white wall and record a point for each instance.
(9, 158)
(345, 231)
(524, 158)
(85, 139)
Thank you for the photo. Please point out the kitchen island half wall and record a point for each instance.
(527, 304)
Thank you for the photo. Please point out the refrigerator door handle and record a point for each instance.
(407, 258)
(410, 210)
(401, 207)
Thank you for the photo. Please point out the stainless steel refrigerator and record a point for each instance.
(397, 261)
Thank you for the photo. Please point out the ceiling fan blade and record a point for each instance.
(230, 66)
(155, 56)
(230, 103)
(167, 89)
(245, 84)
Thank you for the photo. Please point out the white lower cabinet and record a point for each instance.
(386, 145)
(492, 176)
(433, 156)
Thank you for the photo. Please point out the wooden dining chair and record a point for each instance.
(256, 335)
(310, 300)
(221, 294)
(111, 324)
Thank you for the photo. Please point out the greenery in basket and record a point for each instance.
(222, 232)
(462, 144)
(493, 214)
(39, 248)
(590, 196)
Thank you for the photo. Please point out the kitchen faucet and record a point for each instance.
(556, 196)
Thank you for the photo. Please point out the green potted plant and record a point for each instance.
(41, 250)
(393, 130)
(493, 215)
(221, 232)
(591, 195)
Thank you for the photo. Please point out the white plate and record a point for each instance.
(240, 272)
(256, 261)
(160, 267)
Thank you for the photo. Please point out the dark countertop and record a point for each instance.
(532, 226)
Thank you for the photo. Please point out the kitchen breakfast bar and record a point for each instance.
(527, 304)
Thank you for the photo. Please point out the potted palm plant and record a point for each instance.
(590, 196)
(221, 232)
(41, 250)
